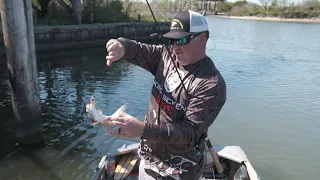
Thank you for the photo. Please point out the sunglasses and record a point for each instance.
(184, 40)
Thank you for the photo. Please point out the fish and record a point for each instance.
(94, 113)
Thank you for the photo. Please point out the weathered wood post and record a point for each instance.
(91, 17)
(215, 7)
(203, 5)
(18, 35)
(77, 12)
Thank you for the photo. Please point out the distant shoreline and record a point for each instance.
(313, 21)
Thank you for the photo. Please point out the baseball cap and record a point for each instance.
(186, 23)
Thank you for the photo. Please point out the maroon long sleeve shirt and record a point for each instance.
(185, 113)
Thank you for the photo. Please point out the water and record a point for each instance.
(272, 71)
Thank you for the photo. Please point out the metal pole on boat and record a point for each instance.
(214, 156)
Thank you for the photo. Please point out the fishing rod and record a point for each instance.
(207, 140)
(154, 18)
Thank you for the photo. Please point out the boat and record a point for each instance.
(232, 159)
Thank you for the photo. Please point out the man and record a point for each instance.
(179, 113)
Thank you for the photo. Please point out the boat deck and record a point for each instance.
(233, 160)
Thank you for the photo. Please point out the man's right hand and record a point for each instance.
(115, 51)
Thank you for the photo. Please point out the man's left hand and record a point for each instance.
(130, 127)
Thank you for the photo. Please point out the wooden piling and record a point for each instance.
(18, 35)
(76, 9)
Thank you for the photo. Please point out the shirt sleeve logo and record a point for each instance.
(172, 80)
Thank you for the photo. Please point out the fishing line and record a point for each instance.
(213, 43)
(134, 28)
(104, 72)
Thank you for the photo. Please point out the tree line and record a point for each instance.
(58, 12)
(272, 8)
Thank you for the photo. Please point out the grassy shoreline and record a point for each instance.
(277, 19)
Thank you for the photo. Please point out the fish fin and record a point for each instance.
(98, 108)
(123, 108)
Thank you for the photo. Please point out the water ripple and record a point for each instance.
(272, 112)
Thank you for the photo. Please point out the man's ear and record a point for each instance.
(202, 38)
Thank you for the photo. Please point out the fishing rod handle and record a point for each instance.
(214, 156)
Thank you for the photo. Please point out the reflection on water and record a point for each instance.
(273, 80)
(66, 83)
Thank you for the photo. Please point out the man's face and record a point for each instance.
(186, 53)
